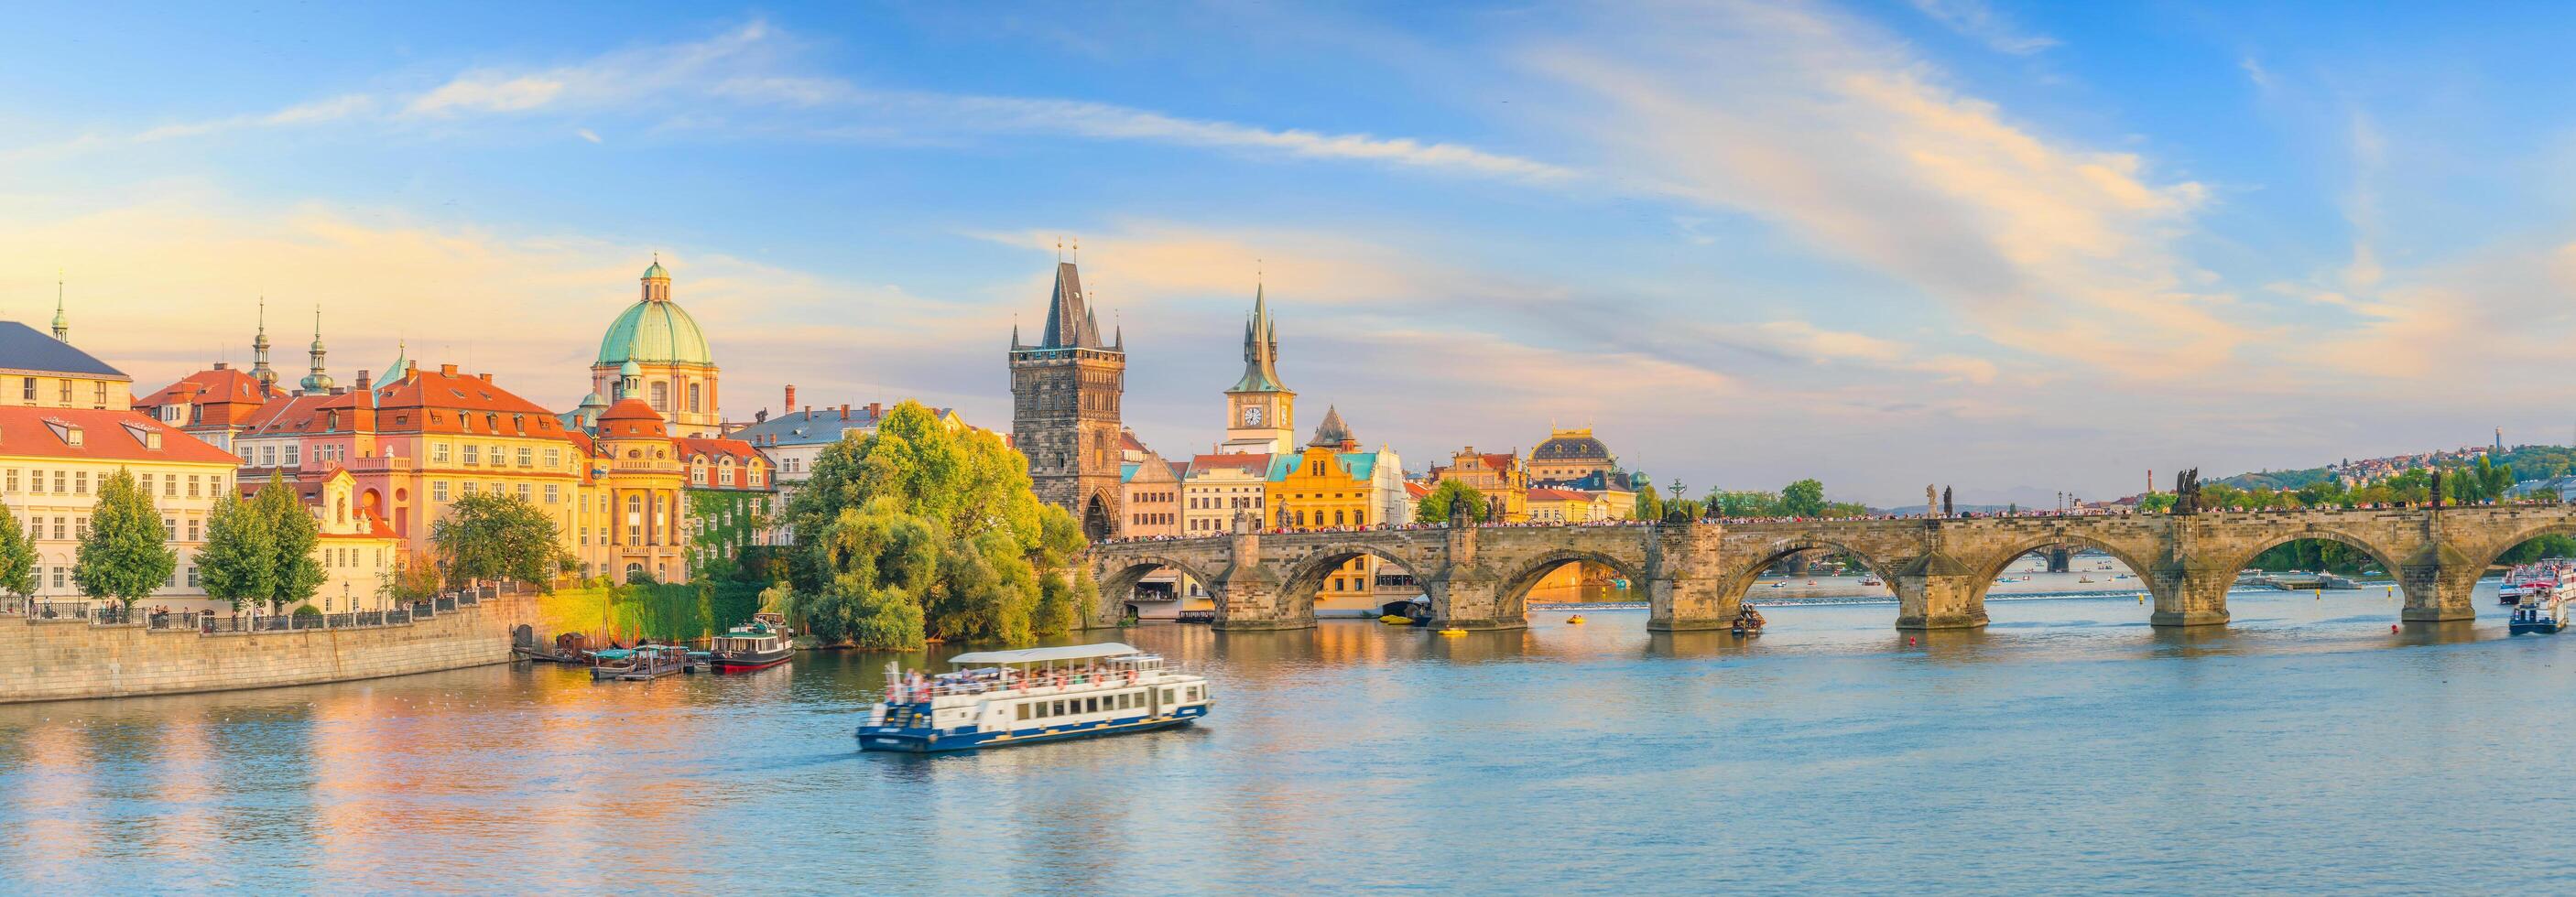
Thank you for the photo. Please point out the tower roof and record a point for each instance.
(1332, 432)
(656, 272)
(1260, 350)
(1069, 324)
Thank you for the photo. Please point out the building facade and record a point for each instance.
(1502, 478)
(1065, 393)
(1261, 413)
(1569, 455)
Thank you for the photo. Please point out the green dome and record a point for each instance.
(658, 332)
(656, 270)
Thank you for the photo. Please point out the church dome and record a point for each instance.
(1571, 445)
(655, 331)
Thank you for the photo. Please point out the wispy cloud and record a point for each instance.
(1975, 19)
(759, 70)
(1842, 138)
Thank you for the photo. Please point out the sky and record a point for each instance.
(2011, 248)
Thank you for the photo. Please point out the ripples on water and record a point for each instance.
(2067, 747)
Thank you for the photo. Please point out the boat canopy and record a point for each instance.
(1044, 655)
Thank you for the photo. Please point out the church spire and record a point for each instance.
(259, 369)
(62, 324)
(1069, 323)
(1260, 349)
(317, 380)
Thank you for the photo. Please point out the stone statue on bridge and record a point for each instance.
(1947, 509)
(2437, 487)
(2187, 491)
(1931, 501)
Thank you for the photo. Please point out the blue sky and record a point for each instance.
(2014, 248)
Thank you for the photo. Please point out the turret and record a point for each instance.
(317, 381)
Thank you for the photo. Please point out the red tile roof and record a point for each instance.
(424, 401)
(1243, 461)
(1415, 490)
(105, 436)
(740, 451)
(230, 395)
(1544, 494)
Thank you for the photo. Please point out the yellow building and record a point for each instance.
(1569, 455)
(1568, 506)
(1331, 484)
(1502, 478)
(356, 548)
(634, 483)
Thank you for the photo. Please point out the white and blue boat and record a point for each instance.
(1005, 698)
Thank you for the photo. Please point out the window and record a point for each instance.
(1091, 705)
(554, 458)
(169, 529)
(64, 395)
(192, 576)
(27, 389)
(438, 490)
(523, 492)
(438, 452)
(1168, 698)
(661, 396)
(1024, 710)
(193, 487)
(268, 456)
(500, 455)
(472, 488)
(527, 457)
(554, 493)
(99, 396)
(13, 480)
(290, 457)
(170, 486)
(473, 454)
(193, 524)
(80, 482)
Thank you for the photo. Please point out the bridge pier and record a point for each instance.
(2061, 560)
(1475, 603)
(2438, 592)
(1684, 591)
(1935, 591)
(2190, 596)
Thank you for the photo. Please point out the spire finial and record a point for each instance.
(1077, 250)
(62, 324)
(1059, 249)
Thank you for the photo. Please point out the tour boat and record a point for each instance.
(2540, 580)
(1005, 698)
(759, 645)
(2544, 616)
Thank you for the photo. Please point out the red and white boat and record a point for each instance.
(2537, 582)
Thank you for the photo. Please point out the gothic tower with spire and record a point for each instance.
(1261, 413)
(1065, 392)
(259, 369)
(316, 380)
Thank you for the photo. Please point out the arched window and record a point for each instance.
(661, 396)
(1337, 518)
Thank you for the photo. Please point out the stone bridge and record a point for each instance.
(1695, 575)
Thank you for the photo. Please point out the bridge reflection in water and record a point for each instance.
(1694, 576)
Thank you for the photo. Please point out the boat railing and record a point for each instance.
(1022, 686)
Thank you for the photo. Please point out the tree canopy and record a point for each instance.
(238, 563)
(17, 556)
(1433, 507)
(495, 535)
(125, 555)
(292, 534)
(918, 532)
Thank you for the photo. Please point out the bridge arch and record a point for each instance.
(1512, 598)
(2485, 554)
(1991, 565)
(2378, 554)
(1735, 582)
(1307, 574)
(1118, 575)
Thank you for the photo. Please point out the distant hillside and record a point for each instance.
(2529, 462)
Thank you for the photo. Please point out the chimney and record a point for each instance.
(487, 376)
(845, 411)
(447, 370)
(791, 399)
(876, 410)
(809, 411)
(363, 382)
(223, 366)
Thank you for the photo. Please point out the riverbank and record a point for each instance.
(70, 659)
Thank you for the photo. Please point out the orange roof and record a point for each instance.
(423, 401)
(376, 527)
(1244, 461)
(740, 451)
(231, 395)
(1543, 494)
(105, 436)
(1415, 490)
(631, 418)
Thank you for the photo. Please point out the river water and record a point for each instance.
(2067, 747)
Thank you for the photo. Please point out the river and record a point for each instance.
(2067, 747)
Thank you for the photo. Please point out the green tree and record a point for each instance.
(2155, 502)
(1804, 498)
(1650, 504)
(125, 555)
(293, 532)
(1434, 505)
(495, 535)
(238, 564)
(1744, 503)
(411, 580)
(17, 556)
(918, 531)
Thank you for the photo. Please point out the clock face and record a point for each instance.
(1251, 415)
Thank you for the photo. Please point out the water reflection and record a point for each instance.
(1334, 754)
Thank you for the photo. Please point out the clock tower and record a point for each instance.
(1261, 414)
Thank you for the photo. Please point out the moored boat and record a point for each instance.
(1006, 698)
(758, 645)
(639, 663)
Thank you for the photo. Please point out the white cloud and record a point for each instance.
(1975, 19)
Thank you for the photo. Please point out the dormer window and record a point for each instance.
(64, 430)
